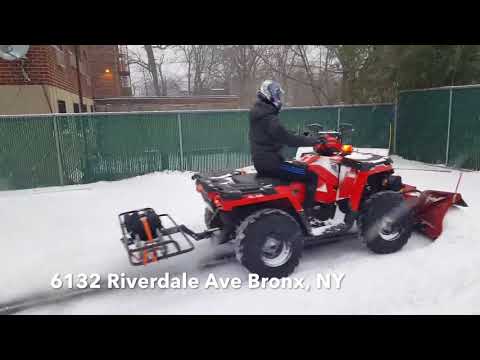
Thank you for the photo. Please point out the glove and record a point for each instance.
(319, 148)
(328, 146)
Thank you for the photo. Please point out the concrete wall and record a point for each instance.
(32, 99)
(162, 103)
(56, 94)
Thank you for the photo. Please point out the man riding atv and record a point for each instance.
(271, 215)
(268, 136)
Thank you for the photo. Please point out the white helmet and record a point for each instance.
(272, 92)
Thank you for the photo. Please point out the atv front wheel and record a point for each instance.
(269, 243)
(386, 222)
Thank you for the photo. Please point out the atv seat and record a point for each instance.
(365, 161)
(236, 186)
(256, 180)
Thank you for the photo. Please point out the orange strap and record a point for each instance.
(148, 232)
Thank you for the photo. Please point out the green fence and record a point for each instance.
(440, 126)
(48, 150)
(432, 125)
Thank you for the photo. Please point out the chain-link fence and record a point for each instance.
(440, 125)
(48, 150)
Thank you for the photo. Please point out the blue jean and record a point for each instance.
(296, 172)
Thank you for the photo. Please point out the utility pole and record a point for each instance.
(79, 79)
(84, 133)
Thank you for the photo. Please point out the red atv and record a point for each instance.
(264, 218)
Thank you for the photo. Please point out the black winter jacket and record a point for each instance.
(267, 137)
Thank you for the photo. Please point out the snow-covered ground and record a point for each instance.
(75, 230)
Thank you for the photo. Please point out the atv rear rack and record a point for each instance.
(162, 245)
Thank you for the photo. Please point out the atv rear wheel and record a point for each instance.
(269, 243)
(386, 222)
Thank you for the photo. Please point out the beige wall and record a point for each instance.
(32, 99)
(56, 94)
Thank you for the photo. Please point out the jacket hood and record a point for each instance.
(262, 109)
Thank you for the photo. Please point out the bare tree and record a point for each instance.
(240, 68)
(187, 55)
(328, 77)
(352, 60)
(243, 67)
(297, 64)
(160, 61)
(282, 60)
(202, 64)
(142, 84)
(206, 60)
(153, 65)
(318, 91)
(246, 61)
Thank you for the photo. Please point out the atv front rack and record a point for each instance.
(156, 242)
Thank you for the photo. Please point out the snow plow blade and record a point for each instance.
(430, 207)
(147, 239)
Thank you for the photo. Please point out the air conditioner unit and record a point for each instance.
(83, 68)
(73, 61)
(60, 57)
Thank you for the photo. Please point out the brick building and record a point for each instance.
(53, 75)
(109, 66)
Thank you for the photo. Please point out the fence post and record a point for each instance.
(85, 149)
(448, 129)
(180, 138)
(395, 117)
(59, 156)
(338, 118)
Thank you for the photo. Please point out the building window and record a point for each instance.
(91, 108)
(62, 107)
(84, 108)
(124, 80)
(76, 108)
